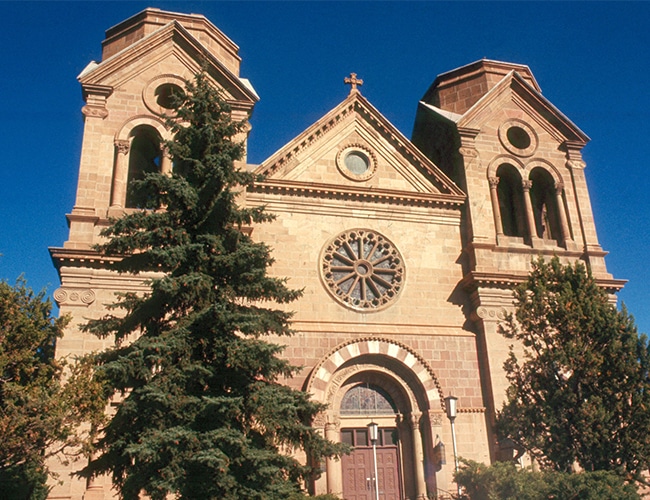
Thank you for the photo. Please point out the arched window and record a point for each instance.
(144, 157)
(364, 399)
(544, 201)
(511, 201)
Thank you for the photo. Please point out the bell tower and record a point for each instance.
(145, 59)
(518, 159)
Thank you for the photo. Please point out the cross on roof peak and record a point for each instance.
(353, 81)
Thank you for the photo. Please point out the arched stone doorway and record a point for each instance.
(385, 382)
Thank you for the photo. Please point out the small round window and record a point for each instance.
(518, 137)
(166, 93)
(159, 93)
(356, 162)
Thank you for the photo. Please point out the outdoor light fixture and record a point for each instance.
(440, 458)
(451, 406)
(451, 403)
(373, 434)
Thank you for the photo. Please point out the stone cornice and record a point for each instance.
(80, 258)
(357, 193)
(504, 281)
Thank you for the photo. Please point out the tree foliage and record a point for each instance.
(205, 413)
(506, 481)
(40, 413)
(581, 393)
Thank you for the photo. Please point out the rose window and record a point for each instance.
(362, 269)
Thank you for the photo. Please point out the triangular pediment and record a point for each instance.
(354, 150)
(170, 42)
(514, 88)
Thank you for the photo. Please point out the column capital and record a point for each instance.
(123, 146)
(494, 181)
(559, 187)
(332, 424)
(414, 419)
(526, 184)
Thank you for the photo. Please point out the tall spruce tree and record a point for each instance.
(205, 414)
(581, 393)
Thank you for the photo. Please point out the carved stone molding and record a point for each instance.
(436, 418)
(576, 164)
(491, 313)
(74, 296)
(468, 152)
(94, 112)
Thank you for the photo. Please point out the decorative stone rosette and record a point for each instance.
(362, 270)
(70, 296)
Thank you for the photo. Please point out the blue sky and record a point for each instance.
(590, 59)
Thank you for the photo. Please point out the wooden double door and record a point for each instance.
(358, 468)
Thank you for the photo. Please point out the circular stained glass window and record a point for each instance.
(362, 269)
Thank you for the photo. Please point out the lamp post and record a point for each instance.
(451, 407)
(373, 433)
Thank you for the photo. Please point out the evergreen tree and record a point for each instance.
(581, 394)
(506, 481)
(205, 414)
(40, 414)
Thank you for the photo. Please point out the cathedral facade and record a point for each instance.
(407, 250)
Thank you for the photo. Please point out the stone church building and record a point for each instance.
(407, 250)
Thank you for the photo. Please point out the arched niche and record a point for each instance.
(545, 207)
(511, 200)
(139, 148)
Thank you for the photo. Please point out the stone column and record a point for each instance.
(530, 217)
(564, 225)
(418, 456)
(120, 173)
(334, 472)
(496, 210)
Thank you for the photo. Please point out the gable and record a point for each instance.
(514, 92)
(355, 151)
(171, 46)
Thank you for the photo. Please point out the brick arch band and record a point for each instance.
(323, 372)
